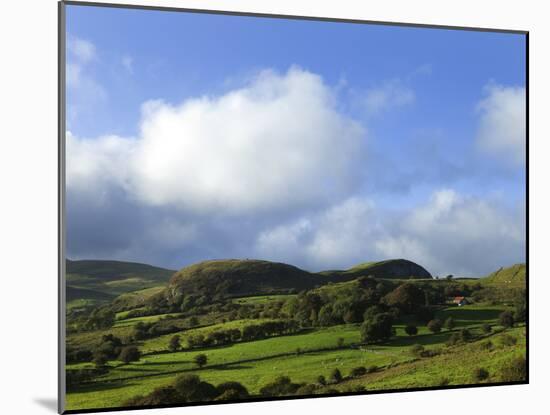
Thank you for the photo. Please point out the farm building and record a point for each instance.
(460, 301)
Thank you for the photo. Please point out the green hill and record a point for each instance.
(510, 276)
(236, 277)
(391, 269)
(100, 280)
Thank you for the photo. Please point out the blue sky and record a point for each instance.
(426, 127)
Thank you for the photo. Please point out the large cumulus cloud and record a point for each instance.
(278, 142)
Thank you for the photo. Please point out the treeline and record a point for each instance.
(246, 333)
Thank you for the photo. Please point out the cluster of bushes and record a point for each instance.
(246, 333)
(283, 386)
(98, 318)
(461, 336)
(417, 350)
(144, 330)
(110, 347)
(190, 388)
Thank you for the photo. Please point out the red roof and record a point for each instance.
(458, 299)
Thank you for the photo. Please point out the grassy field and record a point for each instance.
(303, 357)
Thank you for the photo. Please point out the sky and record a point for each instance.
(321, 144)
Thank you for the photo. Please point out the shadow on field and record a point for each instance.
(135, 369)
(48, 403)
(423, 339)
(469, 315)
(103, 385)
(164, 363)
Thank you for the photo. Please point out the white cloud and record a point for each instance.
(389, 95)
(502, 124)
(278, 142)
(93, 166)
(450, 233)
(82, 50)
(84, 92)
(336, 237)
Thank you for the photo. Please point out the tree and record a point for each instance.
(411, 330)
(435, 325)
(407, 297)
(506, 319)
(486, 328)
(280, 386)
(321, 380)
(231, 391)
(335, 376)
(129, 354)
(174, 343)
(358, 371)
(200, 360)
(191, 389)
(450, 323)
(378, 329)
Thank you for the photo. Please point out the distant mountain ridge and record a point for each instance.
(245, 277)
(102, 280)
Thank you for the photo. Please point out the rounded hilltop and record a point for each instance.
(241, 277)
(251, 276)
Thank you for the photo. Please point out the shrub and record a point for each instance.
(340, 342)
(515, 370)
(411, 330)
(508, 340)
(280, 386)
(160, 396)
(480, 374)
(372, 369)
(200, 360)
(321, 380)
(465, 335)
(450, 323)
(335, 376)
(191, 389)
(506, 319)
(307, 389)
(486, 328)
(435, 325)
(231, 390)
(129, 354)
(453, 339)
(488, 345)
(174, 343)
(358, 371)
(100, 359)
(417, 350)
